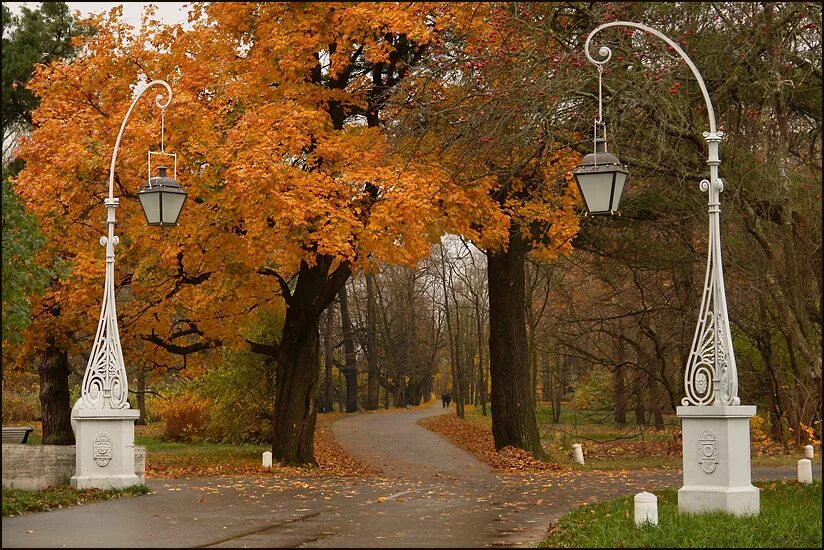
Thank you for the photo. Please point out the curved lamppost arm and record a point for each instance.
(105, 384)
(710, 377)
(158, 102)
(606, 53)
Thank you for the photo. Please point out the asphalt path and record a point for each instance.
(429, 494)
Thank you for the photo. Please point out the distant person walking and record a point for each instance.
(443, 400)
(448, 400)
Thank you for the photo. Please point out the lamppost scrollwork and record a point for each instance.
(715, 426)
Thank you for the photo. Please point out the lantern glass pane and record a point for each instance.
(151, 206)
(172, 205)
(596, 187)
(620, 181)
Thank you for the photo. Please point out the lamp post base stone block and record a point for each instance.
(716, 454)
(105, 448)
(741, 501)
(104, 483)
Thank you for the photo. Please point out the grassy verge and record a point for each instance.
(18, 501)
(790, 518)
(171, 459)
(608, 446)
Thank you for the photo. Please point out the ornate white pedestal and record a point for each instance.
(716, 447)
(105, 448)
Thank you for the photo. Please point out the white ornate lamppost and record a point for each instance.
(715, 426)
(102, 418)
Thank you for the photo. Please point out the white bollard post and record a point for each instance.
(646, 509)
(805, 471)
(809, 452)
(267, 459)
(578, 453)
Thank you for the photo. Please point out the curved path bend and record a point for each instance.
(429, 494)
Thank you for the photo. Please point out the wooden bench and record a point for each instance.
(16, 434)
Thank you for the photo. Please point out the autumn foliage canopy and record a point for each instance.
(277, 124)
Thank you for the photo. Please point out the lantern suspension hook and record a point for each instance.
(158, 101)
(600, 119)
(600, 94)
(606, 54)
(162, 128)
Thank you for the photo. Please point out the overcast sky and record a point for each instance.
(167, 12)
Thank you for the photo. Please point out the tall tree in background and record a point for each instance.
(492, 108)
(277, 118)
(373, 379)
(308, 145)
(350, 367)
(22, 277)
(30, 38)
(33, 37)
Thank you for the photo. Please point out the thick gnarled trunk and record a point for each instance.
(296, 398)
(513, 403)
(55, 408)
(298, 366)
(328, 394)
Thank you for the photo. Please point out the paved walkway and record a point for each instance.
(431, 494)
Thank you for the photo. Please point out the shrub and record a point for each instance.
(185, 413)
(232, 400)
(240, 390)
(758, 429)
(594, 391)
(241, 387)
(153, 403)
(20, 403)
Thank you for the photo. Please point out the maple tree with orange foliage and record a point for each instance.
(278, 120)
(276, 123)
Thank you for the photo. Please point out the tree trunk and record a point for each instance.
(480, 335)
(329, 363)
(454, 348)
(655, 406)
(351, 369)
(54, 397)
(371, 334)
(458, 367)
(412, 353)
(532, 352)
(619, 395)
(557, 388)
(513, 405)
(141, 397)
(426, 388)
(295, 399)
(297, 379)
(640, 413)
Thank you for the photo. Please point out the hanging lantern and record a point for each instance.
(601, 178)
(162, 199)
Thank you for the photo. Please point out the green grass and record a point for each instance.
(623, 463)
(155, 444)
(790, 517)
(591, 427)
(582, 419)
(18, 501)
(170, 457)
